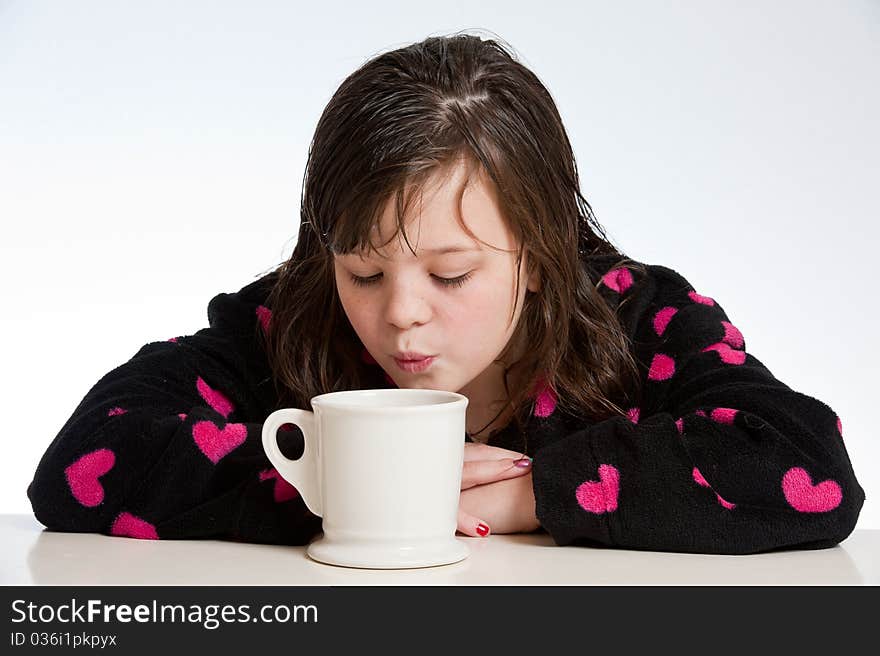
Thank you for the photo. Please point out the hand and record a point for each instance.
(495, 492)
(506, 506)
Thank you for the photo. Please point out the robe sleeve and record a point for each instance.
(721, 457)
(168, 445)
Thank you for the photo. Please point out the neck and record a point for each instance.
(489, 408)
(483, 423)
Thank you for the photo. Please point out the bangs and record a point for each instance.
(356, 230)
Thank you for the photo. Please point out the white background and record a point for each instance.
(151, 156)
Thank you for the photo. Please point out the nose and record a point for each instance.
(406, 303)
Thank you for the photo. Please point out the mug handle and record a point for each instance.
(302, 473)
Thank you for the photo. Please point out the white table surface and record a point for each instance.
(31, 555)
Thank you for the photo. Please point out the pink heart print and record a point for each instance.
(216, 442)
(732, 335)
(633, 415)
(698, 477)
(545, 397)
(728, 355)
(662, 319)
(719, 415)
(264, 315)
(130, 526)
(699, 298)
(662, 367)
(82, 476)
(214, 398)
(803, 496)
(600, 496)
(283, 491)
(723, 415)
(619, 279)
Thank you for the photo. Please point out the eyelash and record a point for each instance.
(446, 282)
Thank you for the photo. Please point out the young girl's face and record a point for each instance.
(404, 304)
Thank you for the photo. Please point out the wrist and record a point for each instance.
(531, 521)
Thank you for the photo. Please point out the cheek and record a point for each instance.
(481, 309)
(360, 315)
(357, 311)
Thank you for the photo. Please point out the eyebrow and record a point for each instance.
(452, 248)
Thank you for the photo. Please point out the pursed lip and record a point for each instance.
(415, 366)
(410, 356)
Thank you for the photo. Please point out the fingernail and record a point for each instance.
(482, 529)
(523, 462)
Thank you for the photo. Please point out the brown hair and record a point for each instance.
(402, 117)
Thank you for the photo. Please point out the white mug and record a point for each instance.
(382, 468)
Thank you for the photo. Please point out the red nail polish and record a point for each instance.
(482, 529)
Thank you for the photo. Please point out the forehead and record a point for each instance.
(459, 194)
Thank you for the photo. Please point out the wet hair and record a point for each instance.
(402, 118)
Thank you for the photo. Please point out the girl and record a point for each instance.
(444, 244)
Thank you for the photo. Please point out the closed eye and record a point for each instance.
(446, 282)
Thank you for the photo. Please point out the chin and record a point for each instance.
(418, 384)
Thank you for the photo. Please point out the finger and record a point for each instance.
(480, 472)
(477, 451)
(472, 526)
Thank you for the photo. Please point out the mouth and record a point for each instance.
(414, 365)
